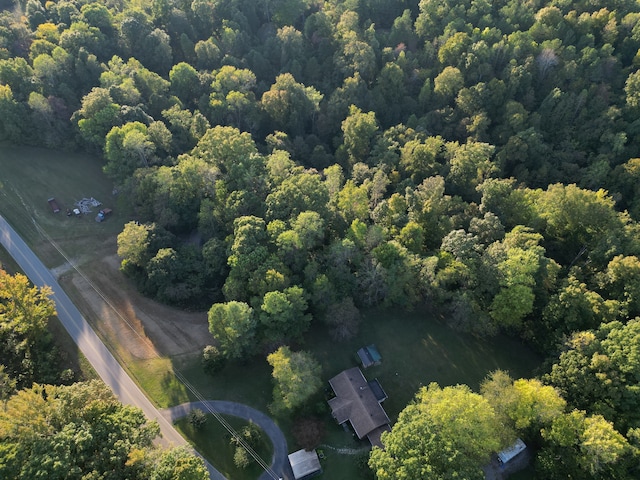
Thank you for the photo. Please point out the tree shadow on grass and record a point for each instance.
(174, 389)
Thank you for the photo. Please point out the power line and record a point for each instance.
(241, 441)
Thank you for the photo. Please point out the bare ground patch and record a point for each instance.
(141, 326)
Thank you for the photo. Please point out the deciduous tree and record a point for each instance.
(233, 325)
(444, 433)
(290, 104)
(588, 446)
(25, 346)
(284, 314)
(77, 431)
(296, 376)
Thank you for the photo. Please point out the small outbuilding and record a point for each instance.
(53, 204)
(369, 356)
(513, 451)
(305, 464)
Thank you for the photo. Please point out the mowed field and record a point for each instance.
(30, 176)
(139, 331)
(153, 340)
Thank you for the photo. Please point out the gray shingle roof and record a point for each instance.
(356, 402)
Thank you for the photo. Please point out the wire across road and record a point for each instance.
(104, 363)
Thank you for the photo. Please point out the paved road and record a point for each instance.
(280, 467)
(90, 345)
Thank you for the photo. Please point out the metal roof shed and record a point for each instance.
(369, 356)
(305, 464)
(509, 453)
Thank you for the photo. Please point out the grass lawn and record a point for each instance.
(416, 349)
(7, 263)
(30, 176)
(71, 357)
(213, 442)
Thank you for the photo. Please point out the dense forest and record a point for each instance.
(294, 161)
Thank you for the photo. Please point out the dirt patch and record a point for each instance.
(142, 326)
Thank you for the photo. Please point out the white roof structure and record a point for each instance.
(508, 453)
(304, 463)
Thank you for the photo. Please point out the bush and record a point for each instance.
(252, 434)
(67, 376)
(241, 458)
(197, 418)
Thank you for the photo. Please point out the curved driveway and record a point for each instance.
(104, 362)
(279, 463)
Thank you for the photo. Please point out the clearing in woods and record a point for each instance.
(141, 327)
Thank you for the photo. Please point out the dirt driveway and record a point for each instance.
(141, 326)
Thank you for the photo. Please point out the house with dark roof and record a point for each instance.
(360, 403)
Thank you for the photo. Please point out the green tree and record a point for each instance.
(589, 446)
(296, 377)
(296, 194)
(527, 403)
(447, 84)
(133, 244)
(97, 116)
(353, 202)
(232, 97)
(597, 373)
(632, 90)
(310, 228)
(233, 325)
(16, 73)
(469, 165)
(444, 433)
(7, 385)
(178, 464)
(13, 117)
(291, 105)
(575, 307)
(577, 218)
(422, 159)
(185, 82)
(235, 154)
(356, 56)
(523, 269)
(283, 314)
(359, 129)
(25, 311)
(623, 282)
(77, 431)
(126, 149)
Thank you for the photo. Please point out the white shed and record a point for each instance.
(508, 453)
(304, 464)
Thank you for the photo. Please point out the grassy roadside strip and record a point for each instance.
(154, 375)
(72, 357)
